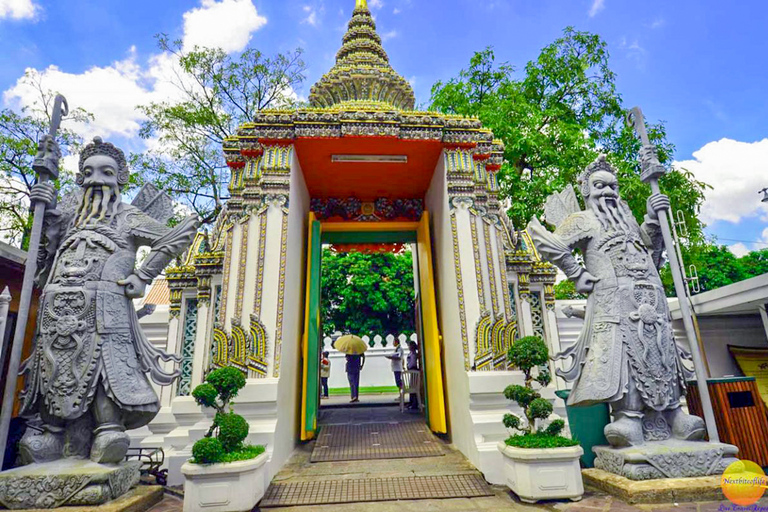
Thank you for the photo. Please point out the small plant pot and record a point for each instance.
(226, 487)
(543, 473)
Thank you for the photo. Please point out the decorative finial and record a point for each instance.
(361, 4)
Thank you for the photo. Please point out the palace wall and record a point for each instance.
(288, 367)
(456, 384)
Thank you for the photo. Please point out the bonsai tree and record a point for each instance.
(526, 354)
(224, 440)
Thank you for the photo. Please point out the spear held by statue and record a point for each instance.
(46, 165)
(652, 170)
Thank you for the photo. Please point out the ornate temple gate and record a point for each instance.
(360, 162)
(365, 233)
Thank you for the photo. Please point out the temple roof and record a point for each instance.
(362, 72)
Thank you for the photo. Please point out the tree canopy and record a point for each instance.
(216, 93)
(367, 294)
(554, 118)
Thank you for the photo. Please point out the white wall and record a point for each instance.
(455, 376)
(289, 386)
(720, 331)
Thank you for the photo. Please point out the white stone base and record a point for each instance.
(229, 487)
(543, 474)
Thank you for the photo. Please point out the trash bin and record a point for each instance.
(587, 424)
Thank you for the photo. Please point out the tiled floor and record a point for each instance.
(359, 413)
(370, 441)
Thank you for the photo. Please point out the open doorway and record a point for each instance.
(414, 315)
(368, 291)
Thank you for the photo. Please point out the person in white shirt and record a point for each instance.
(325, 372)
(396, 359)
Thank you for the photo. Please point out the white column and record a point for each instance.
(470, 286)
(201, 343)
(5, 302)
(525, 320)
(553, 339)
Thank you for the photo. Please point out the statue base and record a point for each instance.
(666, 490)
(66, 482)
(666, 459)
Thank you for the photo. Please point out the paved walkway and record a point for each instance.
(593, 501)
(300, 469)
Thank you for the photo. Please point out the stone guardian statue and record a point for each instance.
(626, 354)
(87, 378)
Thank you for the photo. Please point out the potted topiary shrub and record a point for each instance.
(539, 463)
(224, 474)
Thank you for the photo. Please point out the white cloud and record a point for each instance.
(18, 9)
(736, 171)
(396, 11)
(658, 23)
(227, 24)
(597, 6)
(389, 35)
(111, 93)
(634, 51)
(739, 249)
(376, 4)
(311, 18)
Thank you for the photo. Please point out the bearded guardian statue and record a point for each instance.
(87, 376)
(626, 354)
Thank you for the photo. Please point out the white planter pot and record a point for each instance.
(543, 474)
(227, 487)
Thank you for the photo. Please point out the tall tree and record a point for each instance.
(554, 119)
(217, 93)
(20, 132)
(367, 294)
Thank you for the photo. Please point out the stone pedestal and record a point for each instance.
(66, 482)
(663, 490)
(666, 459)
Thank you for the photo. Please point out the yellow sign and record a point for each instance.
(744, 482)
(754, 363)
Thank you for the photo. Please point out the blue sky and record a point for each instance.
(698, 65)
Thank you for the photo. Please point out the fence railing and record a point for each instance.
(376, 340)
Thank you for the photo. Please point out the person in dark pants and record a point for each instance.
(412, 364)
(325, 372)
(355, 365)
(397, 363)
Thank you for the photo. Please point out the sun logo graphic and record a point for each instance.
(744, 482)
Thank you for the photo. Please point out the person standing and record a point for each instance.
(355, 363)
(396, 358)
(412, 365)
(325, 372)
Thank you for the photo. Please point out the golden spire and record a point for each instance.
(362, 72)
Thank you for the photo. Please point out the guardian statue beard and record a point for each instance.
(626, 354)
(86, 380)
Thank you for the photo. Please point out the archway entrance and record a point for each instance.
(427, 326)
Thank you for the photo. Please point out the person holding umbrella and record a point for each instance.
(354, 347)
